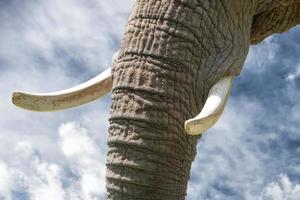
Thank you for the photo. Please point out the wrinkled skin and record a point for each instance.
(172, 52)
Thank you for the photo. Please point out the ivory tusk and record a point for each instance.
(75, 96)
(213, 108)
(60, 100)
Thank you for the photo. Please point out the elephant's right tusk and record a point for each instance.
(213, 108)
(83, 93)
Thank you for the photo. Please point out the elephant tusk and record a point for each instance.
(213, 108)
(60, 100)
(75, 96)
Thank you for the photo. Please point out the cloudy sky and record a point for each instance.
(252, 153)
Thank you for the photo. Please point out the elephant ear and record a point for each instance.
(275, 17)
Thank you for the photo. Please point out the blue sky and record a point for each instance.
(252, 153)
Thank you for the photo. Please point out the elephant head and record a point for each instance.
(172, 75)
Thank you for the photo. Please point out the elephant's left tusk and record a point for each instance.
(83, 93)
(213, 108)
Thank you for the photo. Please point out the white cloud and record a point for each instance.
(47, 34)
(6, 181)
(283, 189)
(78, 174)
(46, 183)
(85, 160)
(260, 56)
(75, 141)
(26, 172)
(294, 75)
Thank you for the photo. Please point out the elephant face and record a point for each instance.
(177, 58)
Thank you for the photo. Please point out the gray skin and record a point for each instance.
(172, 53)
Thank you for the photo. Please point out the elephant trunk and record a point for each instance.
(172, 53)
(149, 155)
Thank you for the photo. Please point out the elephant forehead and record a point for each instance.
(274, 16)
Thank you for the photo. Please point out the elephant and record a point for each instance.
(170, 81)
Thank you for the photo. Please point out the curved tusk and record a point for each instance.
(83, 93)
(75, 96)
(213, 108)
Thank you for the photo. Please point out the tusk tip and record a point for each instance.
(194, 126)
(212, 109)
(19, 99)
(16, 97)
(199, 125)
